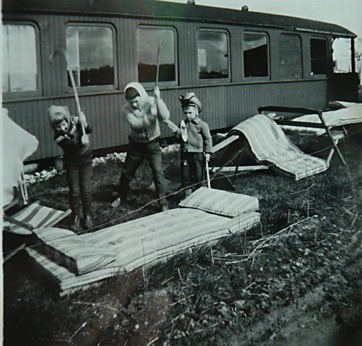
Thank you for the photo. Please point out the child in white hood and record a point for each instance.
(143, 114)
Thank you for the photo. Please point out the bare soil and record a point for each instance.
(295, 280)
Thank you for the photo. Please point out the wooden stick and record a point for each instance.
(84, 139)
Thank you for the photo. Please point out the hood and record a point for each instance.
(140, 89)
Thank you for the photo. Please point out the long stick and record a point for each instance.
(207, 174)
(158, 61)
(85, 139)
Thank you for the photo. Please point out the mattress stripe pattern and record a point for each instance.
(35, 215)
(144, 241)
(352, 114)
(270, 145)
(220, 202)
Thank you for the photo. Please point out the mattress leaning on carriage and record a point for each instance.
(73, 262)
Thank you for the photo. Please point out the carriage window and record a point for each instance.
(156, 55)
(342, 54)
(318, 54)
(90, 55)
(290, 56)
(255, 49)
(213, 54)
(19, 58)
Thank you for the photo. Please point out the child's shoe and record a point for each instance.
(76, 226)
(188, 192)
(164, 207)
(116, 203)
(88, 223)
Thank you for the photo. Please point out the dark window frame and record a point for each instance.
(96, 88)
(175, 55)
(257, 78)
(8, 95)
(301, 75)
(323, 60)
(228, 37)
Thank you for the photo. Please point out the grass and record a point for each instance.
(246, 284)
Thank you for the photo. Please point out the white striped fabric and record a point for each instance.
(270, 145)
(75, 253)
(220, 202)
(336, 118)
(36, 216)
(144, 241)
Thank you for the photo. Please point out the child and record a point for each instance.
(77, 160)
(143, 114)
(196, 143)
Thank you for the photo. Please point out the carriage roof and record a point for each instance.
(152, 9)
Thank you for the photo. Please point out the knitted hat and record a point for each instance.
(57, 114)
(190, 99)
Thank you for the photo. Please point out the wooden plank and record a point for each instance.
(224, 143)
(240, 168)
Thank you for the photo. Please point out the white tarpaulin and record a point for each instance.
(17, 145)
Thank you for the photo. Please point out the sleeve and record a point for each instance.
(88, 129)
(207, 137)
(63, 142)
(162, 111)
(134, 122)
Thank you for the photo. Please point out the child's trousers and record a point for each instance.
(192, 169)
(79, 180)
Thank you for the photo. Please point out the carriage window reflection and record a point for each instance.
(90, 55)
(156, 54)
(19, 58)
(290, 56)
(213, 54)
(255, 54)
(318, 55)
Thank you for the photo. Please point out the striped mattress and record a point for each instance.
(351, 114)
(145, 241)
(271, 146)
(36, 216)
(201, 218)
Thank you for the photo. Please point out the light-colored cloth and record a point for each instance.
(271, 146)
(351, 114)
(17, 145)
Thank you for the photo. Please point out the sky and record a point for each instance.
(347, 13)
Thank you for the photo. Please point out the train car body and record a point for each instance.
(233, 60)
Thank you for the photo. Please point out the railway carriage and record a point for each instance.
(233, 60)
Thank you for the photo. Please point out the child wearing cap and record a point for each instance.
(77, 160)
(196, 143)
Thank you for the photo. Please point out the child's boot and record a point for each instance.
(75, 226)
(88, 222)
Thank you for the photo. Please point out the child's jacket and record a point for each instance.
(144, 121)
(198, 137)
(74, 151)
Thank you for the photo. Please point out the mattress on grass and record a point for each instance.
(144, 241)
(270, 145)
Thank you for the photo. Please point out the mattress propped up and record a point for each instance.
(270, 146)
